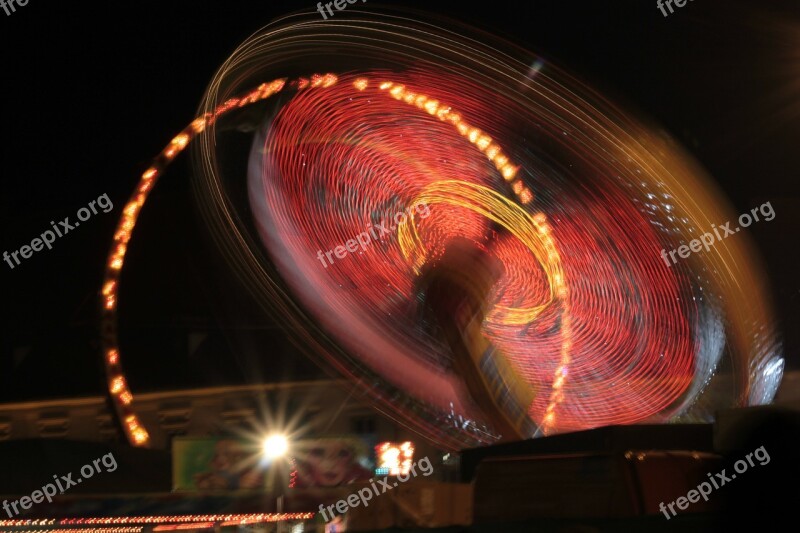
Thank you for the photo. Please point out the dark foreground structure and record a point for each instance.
(694, 477)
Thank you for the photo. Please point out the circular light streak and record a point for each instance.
(574, 197)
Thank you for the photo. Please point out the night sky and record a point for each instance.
(92, 91)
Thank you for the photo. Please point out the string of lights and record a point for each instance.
(220, 519)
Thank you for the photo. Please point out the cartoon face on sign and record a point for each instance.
(329, 462)
(230, 468)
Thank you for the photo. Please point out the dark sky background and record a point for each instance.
(91, 91)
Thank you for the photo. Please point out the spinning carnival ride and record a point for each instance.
(350, 123)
